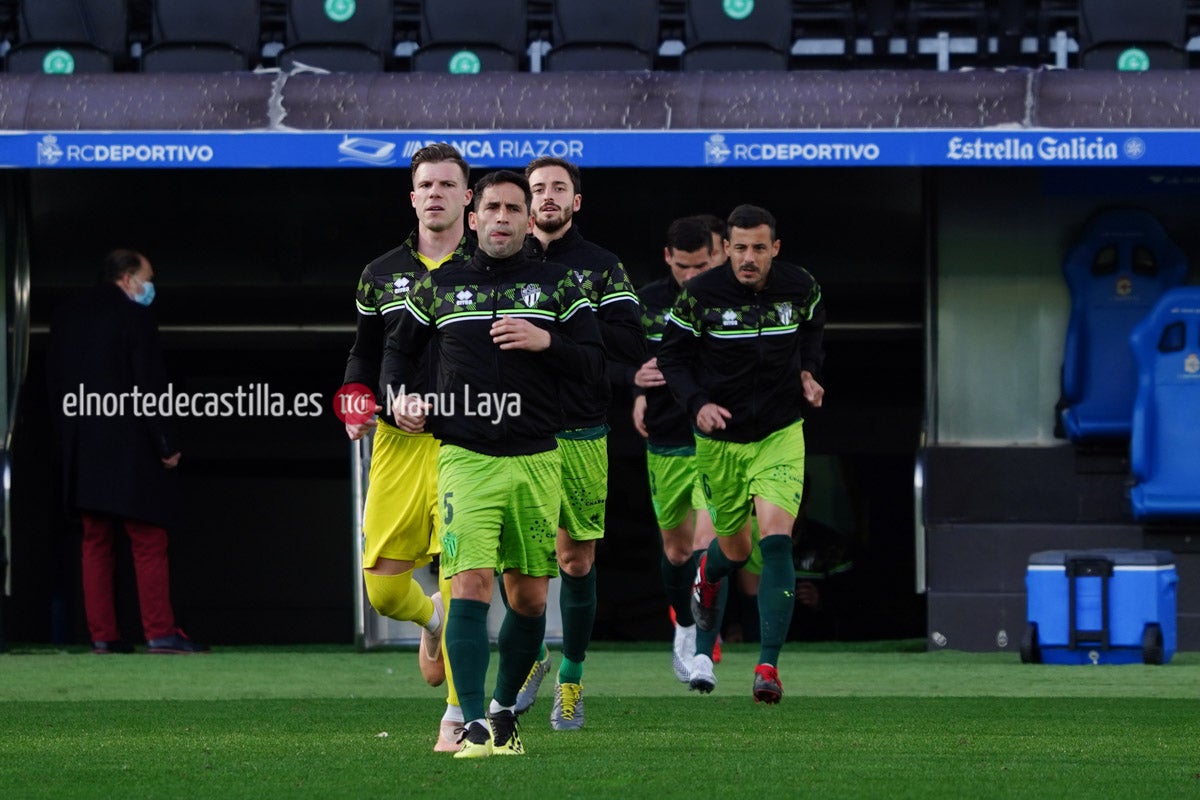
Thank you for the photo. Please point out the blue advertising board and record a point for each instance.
(604, 148)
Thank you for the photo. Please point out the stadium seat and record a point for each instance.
(614, 35)
(1117, 34)
(465, 36)
(826, 32)
(946, 27)
(880, 21)
(201, 36)
(1121, 266)
(1057, 25)
(68, 36)
(1166, 413)
(723, 35)
(346, 37)
(1013, 22)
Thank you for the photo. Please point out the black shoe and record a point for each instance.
(176, 644)
(108, 648)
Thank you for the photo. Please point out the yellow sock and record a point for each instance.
(398, 597)
(444, 587)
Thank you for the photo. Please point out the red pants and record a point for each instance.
(149, 547)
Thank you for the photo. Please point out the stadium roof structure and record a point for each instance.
(1015, 117)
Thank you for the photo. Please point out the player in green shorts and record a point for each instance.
(508, 333)
(583, 440)
(679, 505)
(741, 353)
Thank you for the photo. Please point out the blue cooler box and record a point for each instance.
(1100, 607)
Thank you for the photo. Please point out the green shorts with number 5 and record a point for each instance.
(499, 512)
(732, 474)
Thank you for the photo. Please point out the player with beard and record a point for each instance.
(504, 326)
(741, 353)
(583, 442)
(399, 533)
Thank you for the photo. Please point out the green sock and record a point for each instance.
(519, 640)
(469, 650)
(570, 671)
(677, 580)
(707, 640)
(718, 566)
(542, 651)
(776, 596)
(577, 600)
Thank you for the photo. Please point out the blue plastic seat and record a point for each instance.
(1165, 441)
(1122, 265)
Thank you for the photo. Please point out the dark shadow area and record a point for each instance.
(256, 273)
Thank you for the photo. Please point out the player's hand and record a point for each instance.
(711, 417)
(639, 415)
(814, 393)
(649, 375)
(172, 461)
(409, 411)
(515, 333)
(357, 431)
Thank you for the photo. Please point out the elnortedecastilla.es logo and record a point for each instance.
(354, 404)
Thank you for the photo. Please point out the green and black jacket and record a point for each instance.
(458, 303)
(744, 350)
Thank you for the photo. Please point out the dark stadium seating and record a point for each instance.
(879, 22)
(468, 36)
(566, 35)
(1013, 22)
(68, 36)
(826, 32)
(202, 36)
(717, 39)
(1110, 29)
(614, 35)
(361, 42)
(963, 22)
(1122, 264)
(1166, 413)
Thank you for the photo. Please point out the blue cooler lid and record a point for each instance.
(1119, 556)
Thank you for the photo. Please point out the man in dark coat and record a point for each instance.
(108, 388)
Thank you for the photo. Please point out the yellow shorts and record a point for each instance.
(400, 517)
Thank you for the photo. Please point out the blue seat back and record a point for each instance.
(1118, 270)
(1164, 445)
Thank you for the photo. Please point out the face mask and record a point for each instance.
(146, 296)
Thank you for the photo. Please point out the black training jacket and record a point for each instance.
(612, 296)
(382, 290)
(730, 345)
(458, 304)
(666, 420)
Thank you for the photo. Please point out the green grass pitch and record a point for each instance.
(883, 720)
